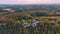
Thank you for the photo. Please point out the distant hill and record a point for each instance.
(49, 7)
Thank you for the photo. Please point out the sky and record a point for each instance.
(29, 1)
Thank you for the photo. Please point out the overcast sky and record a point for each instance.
(29, 1)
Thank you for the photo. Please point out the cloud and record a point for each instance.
(28, 1)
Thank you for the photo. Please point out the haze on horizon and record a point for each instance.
(29, 1)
